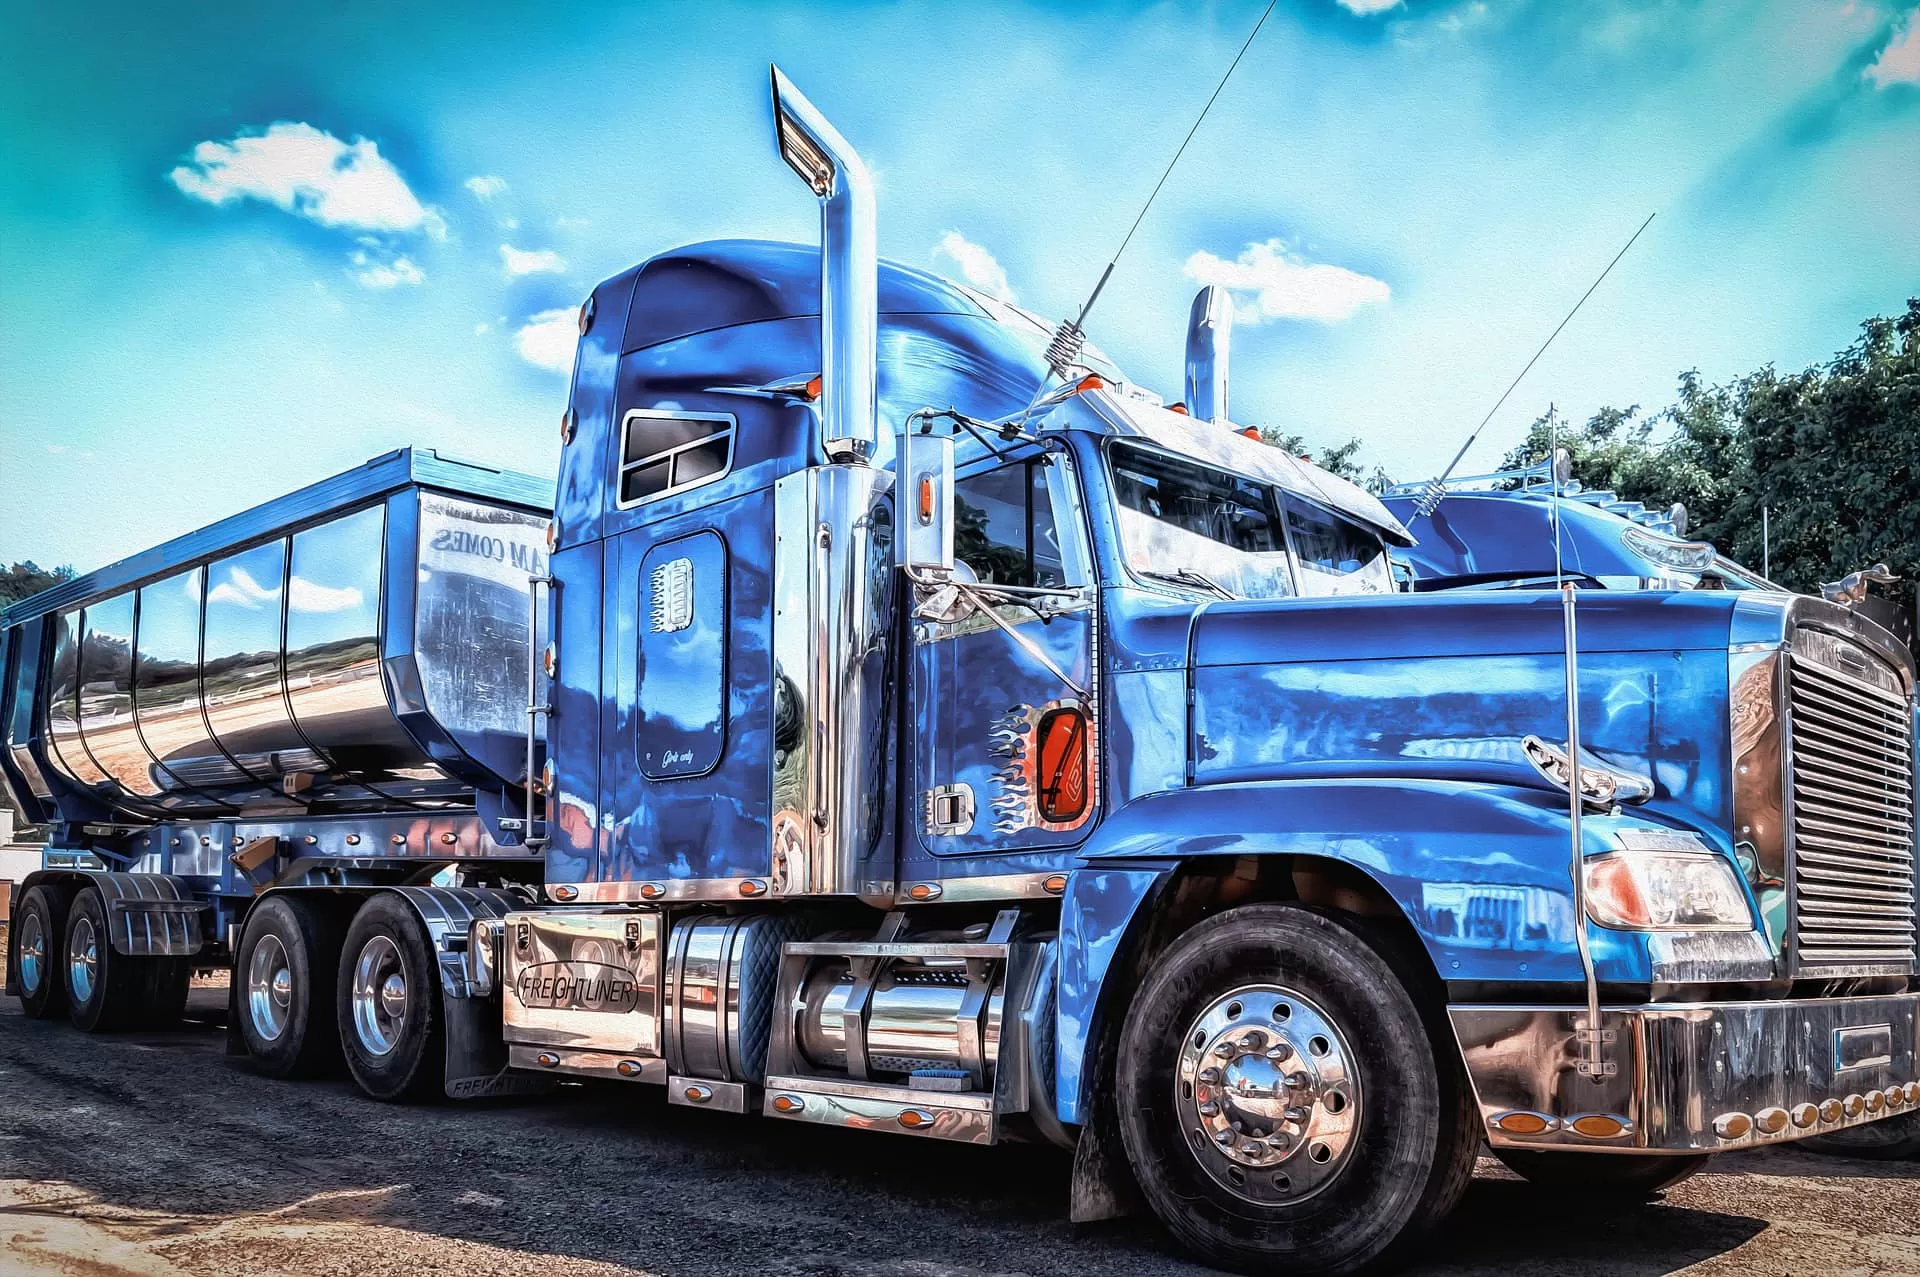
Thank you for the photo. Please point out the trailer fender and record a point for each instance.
(448, 913)
(148, 915)
(1480, 872)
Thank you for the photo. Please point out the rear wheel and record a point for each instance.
(1884, 1140)
(38, 932)
(389, 1003)
(1281, 1100)
(285, 974)
(105, 989)
(1616, 1175)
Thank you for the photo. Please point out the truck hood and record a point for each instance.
(1499, 623)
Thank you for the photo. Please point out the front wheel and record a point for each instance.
(1633, 1176)
(389, 1003)
(1281, 1101)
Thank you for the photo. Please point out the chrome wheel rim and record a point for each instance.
(1267, 1094)
(33, 952)
(83, 959)
(269, 988)
(379, 995)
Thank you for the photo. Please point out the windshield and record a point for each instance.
(1229, 535)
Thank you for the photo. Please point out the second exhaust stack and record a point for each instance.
(1209, 333)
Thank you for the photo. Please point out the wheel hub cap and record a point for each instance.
(1267, 1094)
(269, 988)
(33, 952)
(83, 960)
(379, 995)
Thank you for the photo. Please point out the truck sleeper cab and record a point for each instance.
(943, 743)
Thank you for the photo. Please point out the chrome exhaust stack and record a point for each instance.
(849, 271)
(1209, 334)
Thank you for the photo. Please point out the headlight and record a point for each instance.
(1599, 786)
(1669, 552)
(1665, 891)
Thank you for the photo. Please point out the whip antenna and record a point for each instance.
(1064, 350)
(1436, 491)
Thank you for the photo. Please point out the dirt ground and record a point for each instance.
(159, 1154)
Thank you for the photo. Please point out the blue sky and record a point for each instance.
(243, 247)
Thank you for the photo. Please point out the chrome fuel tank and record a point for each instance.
(361, 644)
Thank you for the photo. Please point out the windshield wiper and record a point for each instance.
(1187, 576)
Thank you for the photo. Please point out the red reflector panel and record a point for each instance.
(1063, 764)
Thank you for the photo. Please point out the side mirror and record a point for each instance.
(923, 516)
(1562, 467)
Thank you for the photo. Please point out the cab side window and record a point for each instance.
(1004, 527)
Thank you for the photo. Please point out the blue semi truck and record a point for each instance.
(894, 718)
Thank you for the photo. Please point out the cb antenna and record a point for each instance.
(1437, 490)
(1064, 350)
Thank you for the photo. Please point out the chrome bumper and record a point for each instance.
(1692, 1078)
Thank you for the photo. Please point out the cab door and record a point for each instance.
(1001, 711)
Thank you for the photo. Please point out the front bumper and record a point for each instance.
(1692, 1077)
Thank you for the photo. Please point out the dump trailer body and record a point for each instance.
(358, 646)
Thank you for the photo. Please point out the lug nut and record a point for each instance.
(1223, 1138)
(1280, 1051)
(1298, 1113)
(1209, 1109)
(1279, 1142)
(1210, 1075)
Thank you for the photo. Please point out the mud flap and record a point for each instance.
(477, 1054)
(1103, 1183)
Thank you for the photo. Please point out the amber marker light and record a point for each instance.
(812, 392)
(1091, 381)
(788, 1104)
(565, 892)
(926, 500)
(1523, 1123)
(1055, 885)
(916, 1119)
(627, 1068)
(1599, 1126)
(753, 887)
(923, 891)
(651, 891)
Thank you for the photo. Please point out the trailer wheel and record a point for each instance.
(37, 935)
(105, 989)
(285, 973)
(1618, 1175)
(1282, 1104)
(389, 1003)
(1884, 1140)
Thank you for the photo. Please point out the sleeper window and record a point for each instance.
(664, 453)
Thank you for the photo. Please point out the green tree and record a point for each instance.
(23, 579)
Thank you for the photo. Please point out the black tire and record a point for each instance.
(1620, 1176)
(1886, 1140)
(112, 993)
(286, 1021)
(395, 1049)
(40, 920)
(1391, 1180)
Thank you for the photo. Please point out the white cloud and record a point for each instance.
(485, 187)
(571, 223)
(241, 590)
(1899, 62)
(547, 339)
(544, 261)
(371, 272)
(305, 596)
(1367, 8)
(312, 174)
(1273, 283)
(977, 266)
(509, 223)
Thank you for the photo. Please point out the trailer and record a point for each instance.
(933, 732)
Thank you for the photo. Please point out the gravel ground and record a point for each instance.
(157, 1153)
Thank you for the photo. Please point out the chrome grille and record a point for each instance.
(1850, 787)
